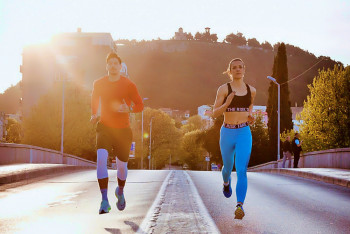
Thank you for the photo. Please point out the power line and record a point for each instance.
(304, 71)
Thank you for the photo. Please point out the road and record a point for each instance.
(175, 202)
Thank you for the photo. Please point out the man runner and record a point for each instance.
(113, 132)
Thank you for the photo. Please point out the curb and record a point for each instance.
(308, 175)
(34, 173)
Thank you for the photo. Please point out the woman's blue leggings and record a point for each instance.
(236, 142)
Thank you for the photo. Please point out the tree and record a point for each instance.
(43, 125)
(214, 37)
(260, 147)
(266, 45)
(190, 36)
(326, 114)
(230, 38)
(210, 138)
(198, 36)
(206, 37)
(280, 72)
(14, 131)
(193, 152)
(195, 122)
(166, 138)
(253, 42)
(236, 39)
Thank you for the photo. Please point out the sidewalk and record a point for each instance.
(19, 172)
(328, 175)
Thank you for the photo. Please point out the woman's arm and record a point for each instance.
(220, 108)
(250, 116)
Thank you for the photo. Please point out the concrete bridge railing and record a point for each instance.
(18, 153)
(332, 158)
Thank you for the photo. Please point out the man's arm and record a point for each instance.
(94, 104)
(136, 99)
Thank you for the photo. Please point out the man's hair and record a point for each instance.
(113, 55)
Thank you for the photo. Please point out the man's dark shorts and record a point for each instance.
(117, 141)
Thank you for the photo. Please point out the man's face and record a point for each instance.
(113, 66)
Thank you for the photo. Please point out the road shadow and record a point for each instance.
(133, 225)
(113, 230)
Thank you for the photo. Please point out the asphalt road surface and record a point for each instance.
(175, 202)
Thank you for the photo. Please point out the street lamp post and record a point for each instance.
(150, 144)
(62, 119)
(144, 99)
(62, 78)
(279, 116)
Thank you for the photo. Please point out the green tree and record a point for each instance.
(260, 145)
(166, 138)
(210, 138)
(14, 131)
(280, 73)
(190, 36)
(214, 37)
(43, 125)
(198, 36)
(193, 152)
(326, 114)
(253, 42)
(266, 45)
(195, 122)
(236, 39)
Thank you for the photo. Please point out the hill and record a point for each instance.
(186, 74)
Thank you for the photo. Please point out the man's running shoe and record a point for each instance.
(227, 190)
(105, 207)
(239, 212)
(121, 203)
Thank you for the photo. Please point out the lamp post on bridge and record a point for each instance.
(144, 99)
(150, 144)
(279, 116)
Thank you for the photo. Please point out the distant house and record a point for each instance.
(180, 35)
(178, 115)
(208, 121)
(262, 111)
(296, 111)
(201, 111)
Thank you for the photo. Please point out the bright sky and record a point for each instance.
(320, 26)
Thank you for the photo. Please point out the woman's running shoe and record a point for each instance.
(239, 212)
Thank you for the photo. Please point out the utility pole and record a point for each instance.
(279, 115)
(150, 144)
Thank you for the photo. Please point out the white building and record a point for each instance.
(207, 119)
(180, 35)
(201, 111)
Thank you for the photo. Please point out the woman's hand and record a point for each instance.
(229, 98)
(251, 119)
(208, 113)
